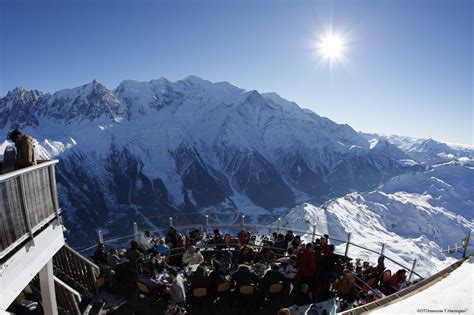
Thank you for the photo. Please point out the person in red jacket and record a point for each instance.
(398, 279)
(306, 263)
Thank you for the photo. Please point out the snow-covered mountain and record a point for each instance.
(426, 151)
(155, 147)
(415, 215)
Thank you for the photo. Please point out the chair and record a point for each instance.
(199, 301)
(247, 289)
(276, 288)
(247, 299)
(223, 287)
(144, 292)
(199, 292)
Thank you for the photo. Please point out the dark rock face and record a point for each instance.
(257, 178)
(207, 188)
(303, 178)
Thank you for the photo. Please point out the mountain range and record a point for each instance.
(145, 149)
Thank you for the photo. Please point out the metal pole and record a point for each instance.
(278, 225)
(101, 237)
(347, 244)
(207, 222)
(171, 221)
(314, 233)
(449, 250)
(412, 270)
(242, 222)
(383, 249)
(135, 230)
(455, 247)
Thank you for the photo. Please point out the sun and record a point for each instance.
(331, 47)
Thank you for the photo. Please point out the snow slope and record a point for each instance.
(415, 215)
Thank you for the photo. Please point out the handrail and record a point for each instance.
(41, 164)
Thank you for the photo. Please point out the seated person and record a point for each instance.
(132, 254)
(158, 263)
(244, 276)
(288, 268)
(100, 255)
(217, 275)
(113, 258)
(146, 241)
(272, 276)
(176, 288)
(174, 309)
(149, 279)
(345, 286)
(192, 256)
(301, 295)
(398, 279)
(199, 279)
(162, 248)
(226, 262)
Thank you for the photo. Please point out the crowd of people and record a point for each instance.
(185, 271)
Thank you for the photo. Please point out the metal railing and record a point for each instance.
(243, 222)
(28, 202)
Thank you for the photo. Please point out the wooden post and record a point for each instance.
(314, 233)
(412, 270)
(347, 244)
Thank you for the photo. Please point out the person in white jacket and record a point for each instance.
(146, 241)
(192, 256)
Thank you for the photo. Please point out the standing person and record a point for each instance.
(306, 264)
(25, 153)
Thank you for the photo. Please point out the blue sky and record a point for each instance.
(408, 69)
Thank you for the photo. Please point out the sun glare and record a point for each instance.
(331, 47)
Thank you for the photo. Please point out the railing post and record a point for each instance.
(278, 225)
(171, 221)
(54, 191)
(412, 270)
(449, 250)
(455, 247)
(314, 233)
(207, 223)
(242, 222)
(101, 237)
(135, 230)
(348, 243)
(383, 249)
